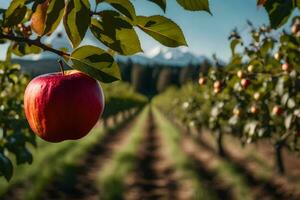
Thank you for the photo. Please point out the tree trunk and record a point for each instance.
(219, 138)
(278, 157)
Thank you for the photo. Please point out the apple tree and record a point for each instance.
(254, 97)
(25, 24)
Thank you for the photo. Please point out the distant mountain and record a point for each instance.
(180, 56)
(176, 57)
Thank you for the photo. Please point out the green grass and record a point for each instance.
(52, 160)
(225, 170)
(68, 157)
(42, 157)
(180, 160)
(228, 172)
(111, 179)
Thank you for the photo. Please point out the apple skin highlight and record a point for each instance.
(63, 107)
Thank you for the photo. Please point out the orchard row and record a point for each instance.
(256, 96)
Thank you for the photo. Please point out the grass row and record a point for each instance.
(111, 179)
(52, 160)
(225, 170)
(180, 160)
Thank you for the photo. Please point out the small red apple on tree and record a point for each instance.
(217, 90)
(202, 81)
(254, 109)
(217, 84)
(295, 28)
(277, 110)
(286, 67)
(245, 83)
(236, 111)
(63, 106)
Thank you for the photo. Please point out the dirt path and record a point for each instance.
(262, 189)
(205, 163)
(81, 184)
(153, 177)
(277, 185)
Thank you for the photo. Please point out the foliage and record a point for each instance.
(14, 130)
(25, 23)
(112, 177)
(120, 96)
(255, 96)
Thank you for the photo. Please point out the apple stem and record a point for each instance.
(61, 64)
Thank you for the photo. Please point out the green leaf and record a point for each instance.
(233, 45)
(162, 29)
(288, 121)
(22, 49)
(195, 5)
(123, 6)
(116, 33)
(266, 47)
(77, 20)
(15, 13)
(54, 15)
(23, 156)
(96, 63)
(6, 167)
(279, 11)
(161, 3)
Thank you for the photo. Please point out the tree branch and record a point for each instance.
(35, 42)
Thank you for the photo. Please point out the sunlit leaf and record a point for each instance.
(123, 6)
(161, 3)
(96, 63)
(77, 20)
(15, 12)
(54, 15)
(115, 32)
(23, 49)
(162, 29)
(195, 5)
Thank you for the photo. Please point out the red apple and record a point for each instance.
(202, 81)
(63, 107)
(285, 67)
(295, 28)
(245, 83)
(254, 109)
(217, 84)
(217, 90)
(277, 110)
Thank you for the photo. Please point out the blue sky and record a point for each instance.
(205, 34)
